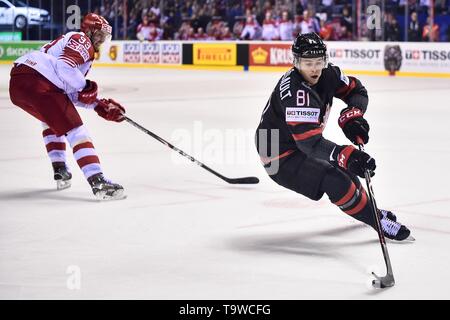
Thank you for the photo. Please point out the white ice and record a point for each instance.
(182, 233)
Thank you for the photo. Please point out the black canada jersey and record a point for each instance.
(300, 111)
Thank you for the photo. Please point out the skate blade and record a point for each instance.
(61, 184)
(117, 195)
(410, 239)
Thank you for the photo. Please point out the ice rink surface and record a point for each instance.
(184, 234)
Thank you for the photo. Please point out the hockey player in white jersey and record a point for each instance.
(49, 83)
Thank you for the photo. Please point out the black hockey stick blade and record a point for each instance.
(383, 282)
(244, 180)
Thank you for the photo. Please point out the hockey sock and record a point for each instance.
(84, 151)
(56, 146)
(349, 195)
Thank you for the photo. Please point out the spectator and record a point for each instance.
(425, 5)
(201, 35)
(233, 13)
(144, 29)
(195, 22)
(309, 23)
(391, 29)
(250, 30)
(433, 35)
(214, 28)
(413, 5)
(168, 25)
(248, 4)
(132, 25)
(155, 8)
(297, 24)
(238, 27)
(226, 34)
(203, 19)
(326, 30)
(262, 12)
(442, 6)
(183, 32)
(286, 27)
(300, 7)
(344, 34)
(287, 19)
(414, 29)
(190, 36)
(269, 28)
(327, 7)
(346, 19)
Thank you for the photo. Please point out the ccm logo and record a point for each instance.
(350, 114)
(303, 113)
(342, 160)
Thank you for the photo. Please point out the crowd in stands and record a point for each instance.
(198, 20)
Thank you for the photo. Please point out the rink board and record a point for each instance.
(411, 59)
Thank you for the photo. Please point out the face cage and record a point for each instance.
(106, 35)
(297, 60)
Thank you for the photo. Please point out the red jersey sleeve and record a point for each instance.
(77, 51)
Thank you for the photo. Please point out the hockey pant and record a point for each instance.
(314, 177)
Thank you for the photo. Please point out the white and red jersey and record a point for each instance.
(250, 30)
(149, 32)
(309, 25)
(270, 30)
(64, 62)
(286, 28)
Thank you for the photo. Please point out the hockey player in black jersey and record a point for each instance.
(290, 142)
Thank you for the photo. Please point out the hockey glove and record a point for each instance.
(110, 110)
(353, 124)
(355, 161)
(89, 94)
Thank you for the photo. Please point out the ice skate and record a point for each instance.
(394, 230)
(387, 214)
(61, 175)
(104, 189)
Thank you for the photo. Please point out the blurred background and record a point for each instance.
(153, 20)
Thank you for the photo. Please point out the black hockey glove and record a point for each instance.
(354, 160)
(354, 125)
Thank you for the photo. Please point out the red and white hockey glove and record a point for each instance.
(110, 110)
(355, 161)
(354, 125)
(89, 94)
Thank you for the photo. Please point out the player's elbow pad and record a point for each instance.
(359, 101)
(359, 97)
(72, 77)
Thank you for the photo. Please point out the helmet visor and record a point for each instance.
(100, 37)
(309, 64)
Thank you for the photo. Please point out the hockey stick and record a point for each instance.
(244, 180)
(388, 279)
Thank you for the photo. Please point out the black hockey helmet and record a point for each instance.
(309, 45)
